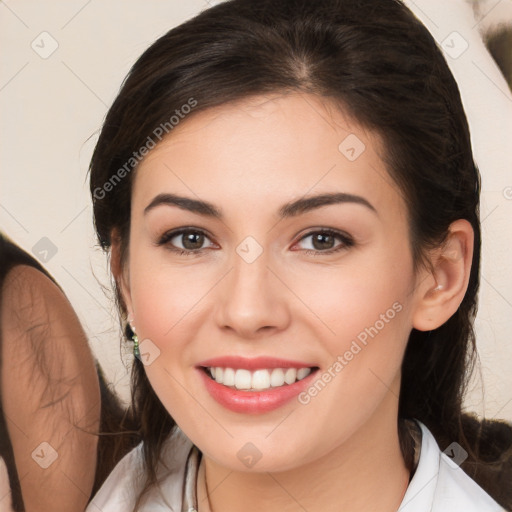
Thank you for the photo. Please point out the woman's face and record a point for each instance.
(271, 280)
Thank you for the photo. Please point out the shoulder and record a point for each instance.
(123, 486)
(440, 485)
(120, 489)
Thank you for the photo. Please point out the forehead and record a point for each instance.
(266, 147)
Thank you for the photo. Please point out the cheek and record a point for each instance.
(165, 301)
(356, 298)
(365, 322)
(365, 315)
(163, 296)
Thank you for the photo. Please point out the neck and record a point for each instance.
(365, 473)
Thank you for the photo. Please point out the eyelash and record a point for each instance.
(346, 241)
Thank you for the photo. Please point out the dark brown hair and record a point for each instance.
(378, 62)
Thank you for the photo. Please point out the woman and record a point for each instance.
(288, 194)
(54, 399)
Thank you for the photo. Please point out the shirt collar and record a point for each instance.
(417, 490)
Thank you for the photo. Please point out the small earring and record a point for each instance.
(135, 339)
(438, 288)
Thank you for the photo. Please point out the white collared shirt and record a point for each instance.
(438, 484)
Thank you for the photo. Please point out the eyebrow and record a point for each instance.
(291, 209)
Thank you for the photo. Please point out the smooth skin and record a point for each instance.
(295, 301)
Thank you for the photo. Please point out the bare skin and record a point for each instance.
(340, 450)
(50, 393)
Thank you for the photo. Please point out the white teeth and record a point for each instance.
(242, 379)
(290, 375)
(303, 372)
(257, 380)
(261, 379)
(229, 377)
(277, 378)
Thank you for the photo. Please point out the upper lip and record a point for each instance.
(255, 363)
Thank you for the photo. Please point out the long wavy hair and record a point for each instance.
(379, 63)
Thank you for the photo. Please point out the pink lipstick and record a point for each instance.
(256, 385)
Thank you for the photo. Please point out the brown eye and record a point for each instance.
(191, 240)
(325, 241)
(185, 241)
(322, 241)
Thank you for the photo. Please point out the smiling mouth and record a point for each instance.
(257, 380)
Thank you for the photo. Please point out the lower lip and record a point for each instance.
(254, 402)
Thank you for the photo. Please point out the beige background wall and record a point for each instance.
(62, 64)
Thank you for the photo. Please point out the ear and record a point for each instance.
(442, 288)
(120, 272)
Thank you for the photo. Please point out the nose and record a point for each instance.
(251, 300)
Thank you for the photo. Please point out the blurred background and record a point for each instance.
(61, 66)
